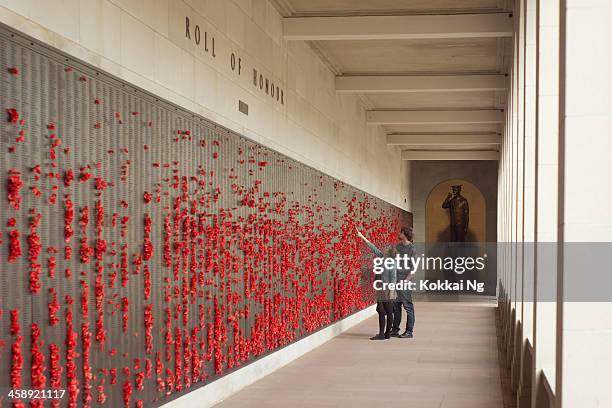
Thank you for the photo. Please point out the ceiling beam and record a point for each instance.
(450, 155)
(405, 27)
(446, 139)
(402, 117)
(420, 83)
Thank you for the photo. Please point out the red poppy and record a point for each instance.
(13, 115)
(147, 197)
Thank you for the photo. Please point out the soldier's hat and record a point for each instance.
(457, 186)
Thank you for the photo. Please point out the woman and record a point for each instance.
(385, 297)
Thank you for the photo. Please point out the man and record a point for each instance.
(459, 214)
(404, 297)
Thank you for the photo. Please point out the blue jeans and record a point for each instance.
(404, 298)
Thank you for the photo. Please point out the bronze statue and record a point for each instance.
(459, 214)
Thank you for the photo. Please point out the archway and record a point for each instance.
(438, 239)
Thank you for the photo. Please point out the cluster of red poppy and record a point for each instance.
(113, 376)
(16, 355)
(37, 372)
(53, 307)
(13, 115)
(68, 177)
(148, 322)
(71, 355)
(127, 388)
(14, 246)
(85, 355)
(55, 371)
(147, 250)
(51, 265)
(101, 399)
(13, 187)
(147, 283)
(85, 251)
(99, 293)
(125, 277)
(34, 249)
(68, 231)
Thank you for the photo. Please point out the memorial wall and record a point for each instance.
(146, 250)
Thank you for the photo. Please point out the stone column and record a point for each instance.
(584, 336)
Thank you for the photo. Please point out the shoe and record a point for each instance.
(378, 337)
(387, 336)
(406, 335)
(394, 334)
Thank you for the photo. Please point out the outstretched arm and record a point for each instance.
(370, 245)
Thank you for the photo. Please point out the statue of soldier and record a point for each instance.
(459, 214)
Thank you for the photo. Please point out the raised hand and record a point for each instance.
(359, 234)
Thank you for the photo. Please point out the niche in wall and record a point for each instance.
(439, 240)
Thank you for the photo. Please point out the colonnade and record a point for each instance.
(553, 205)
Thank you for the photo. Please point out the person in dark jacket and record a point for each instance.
(385, 297)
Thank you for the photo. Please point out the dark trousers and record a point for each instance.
(385, 317)
(397, 315)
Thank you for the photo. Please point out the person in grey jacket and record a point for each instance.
(385, 297)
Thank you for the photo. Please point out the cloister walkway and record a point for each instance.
(451, 363)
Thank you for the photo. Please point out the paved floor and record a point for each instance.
(451, 363)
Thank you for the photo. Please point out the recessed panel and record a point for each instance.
(388, 6)
(474, 55)
(432, 100)
(448, 129)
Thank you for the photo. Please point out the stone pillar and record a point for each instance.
(545, 333)
(584, 334)
(529, 187)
